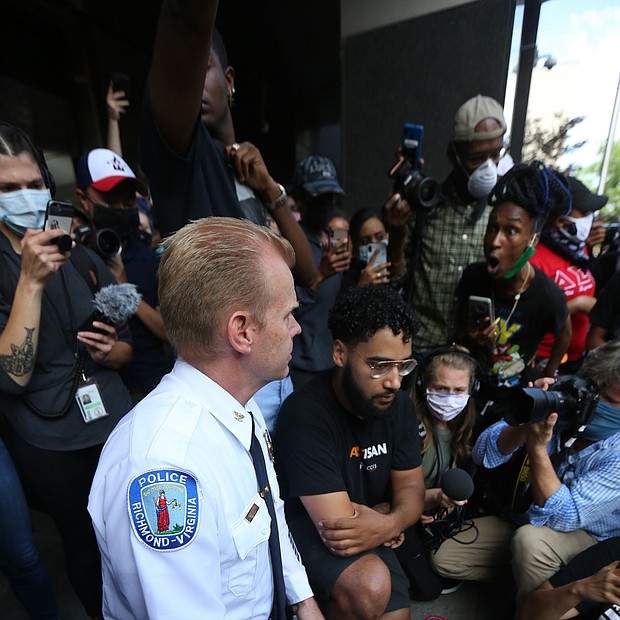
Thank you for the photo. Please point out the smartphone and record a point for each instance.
(371, 248)
(481, 313)
(120, 81)
(336, 238)
(60, 215)
(411, 143)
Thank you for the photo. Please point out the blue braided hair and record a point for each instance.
(535, 188)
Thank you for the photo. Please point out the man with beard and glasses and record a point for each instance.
(349, 461)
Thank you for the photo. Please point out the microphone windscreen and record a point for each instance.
(117, 302)
(457, 484)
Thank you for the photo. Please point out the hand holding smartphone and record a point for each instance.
(481, 313)
(338, 238)
(60, 215)
(120, 82)
(379, 247)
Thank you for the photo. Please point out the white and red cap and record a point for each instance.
(103, 170)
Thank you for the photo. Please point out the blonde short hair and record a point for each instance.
(209, 267)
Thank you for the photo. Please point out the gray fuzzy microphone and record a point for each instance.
(116, 303)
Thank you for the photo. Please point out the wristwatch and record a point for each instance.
(279, 201)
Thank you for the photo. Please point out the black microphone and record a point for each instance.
(457, 484)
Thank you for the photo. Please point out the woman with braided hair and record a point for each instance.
(527, 304)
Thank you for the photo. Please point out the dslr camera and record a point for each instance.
(574, 399)
(416, 188)
(105, 241)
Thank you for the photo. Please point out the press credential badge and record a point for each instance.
(90, 402)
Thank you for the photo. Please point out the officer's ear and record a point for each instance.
(240, 330)
(339, 353)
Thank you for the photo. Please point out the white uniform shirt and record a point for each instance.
(189, 438)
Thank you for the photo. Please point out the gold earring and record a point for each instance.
(231, 97)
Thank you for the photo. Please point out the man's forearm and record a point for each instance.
(307, 610)
(544, 480)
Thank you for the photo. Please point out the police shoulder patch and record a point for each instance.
(163, 508)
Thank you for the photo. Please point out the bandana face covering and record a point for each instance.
(125, 222)
(583, 225)
(24, 208)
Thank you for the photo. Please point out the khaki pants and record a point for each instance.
(539, 552)
(536, 553)
(486, 559)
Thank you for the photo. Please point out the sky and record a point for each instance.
(584, 37)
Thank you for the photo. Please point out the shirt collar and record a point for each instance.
(216, 400)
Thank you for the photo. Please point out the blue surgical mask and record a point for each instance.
(604, 423)
(24, 208)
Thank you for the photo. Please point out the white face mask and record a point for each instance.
(446, 407)
(24, 208)
(582, 224)
(483, 179)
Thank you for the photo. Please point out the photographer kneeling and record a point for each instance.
(575, 491)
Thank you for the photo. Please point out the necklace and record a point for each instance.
(517, 296)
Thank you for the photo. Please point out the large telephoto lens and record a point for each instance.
(531, 405)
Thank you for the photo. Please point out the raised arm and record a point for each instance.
(179, 66)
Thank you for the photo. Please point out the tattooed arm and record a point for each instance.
(19, 339)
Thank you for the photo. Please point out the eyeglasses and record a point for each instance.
(380, 368)
(127, 202)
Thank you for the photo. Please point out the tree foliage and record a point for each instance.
(549, 143)
(612, 183)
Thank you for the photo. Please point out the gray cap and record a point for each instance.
(317, 175)
(471, 113)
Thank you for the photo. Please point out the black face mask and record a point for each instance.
(125, 222)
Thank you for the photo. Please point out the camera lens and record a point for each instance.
(531, 405)
(108, 242)
(427, 192)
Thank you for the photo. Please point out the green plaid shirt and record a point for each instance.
(450, 243)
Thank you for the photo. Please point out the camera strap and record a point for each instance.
(419, 231)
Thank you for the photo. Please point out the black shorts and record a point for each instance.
(323, 567)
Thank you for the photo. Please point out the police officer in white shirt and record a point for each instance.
(182, 526)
